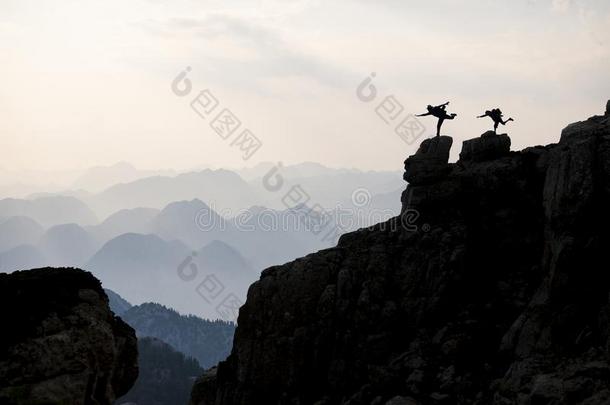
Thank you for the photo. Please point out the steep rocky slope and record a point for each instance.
(61, 344)
(491, 288)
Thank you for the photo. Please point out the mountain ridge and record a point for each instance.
(489, 288)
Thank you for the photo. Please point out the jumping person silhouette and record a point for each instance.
(496, 116)
(440, 113)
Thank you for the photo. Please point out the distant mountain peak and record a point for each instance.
(217, 245)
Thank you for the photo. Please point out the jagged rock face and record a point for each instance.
(430, 161)
(488, 147)
(501, 296)
(61, 343)
(583, 130)
(205, 386)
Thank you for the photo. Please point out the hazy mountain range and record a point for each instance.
(134, 229)
(49, 210)
(206, 341)
(101, 177)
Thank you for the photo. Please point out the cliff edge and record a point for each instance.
(61, 344)
(492, 287)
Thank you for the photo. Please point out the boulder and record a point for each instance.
(62, 344)
(593, 126)
(488, 146)
(430, 162)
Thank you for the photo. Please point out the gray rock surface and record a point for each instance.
(500, 295)
(61, 343)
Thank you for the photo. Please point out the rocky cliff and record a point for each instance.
(491, 288)
(61, 344)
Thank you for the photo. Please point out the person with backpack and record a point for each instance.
(440, 113)
(496, 116)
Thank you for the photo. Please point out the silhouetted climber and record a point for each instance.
(440, 113)
(496, 116)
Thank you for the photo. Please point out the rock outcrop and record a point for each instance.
(61, 344)
(430, 162)
(499, 295)
(487, 147)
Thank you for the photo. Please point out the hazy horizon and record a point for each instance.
(95, 179)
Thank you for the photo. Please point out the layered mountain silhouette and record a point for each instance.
(222, 188)
(137, 250)
(19, 230)
(22, 257)
(296, 171)
(206, 341)
(99, 178)
(192, 222)
(49, 211)
(267, 237)
(330, 188)
(67, 245)
(144, 268)
(140, 263)
(220, 258)
(121, 186)
(135, 220)
(53, 229)
(139, 267)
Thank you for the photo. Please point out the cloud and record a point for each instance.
(271, 56)
(289, 70)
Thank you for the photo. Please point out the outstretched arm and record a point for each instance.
(422, 115)
(481, 116)
(442, 105)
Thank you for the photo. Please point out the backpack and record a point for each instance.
(496, 114)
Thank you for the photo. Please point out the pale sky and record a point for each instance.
(88, 82)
